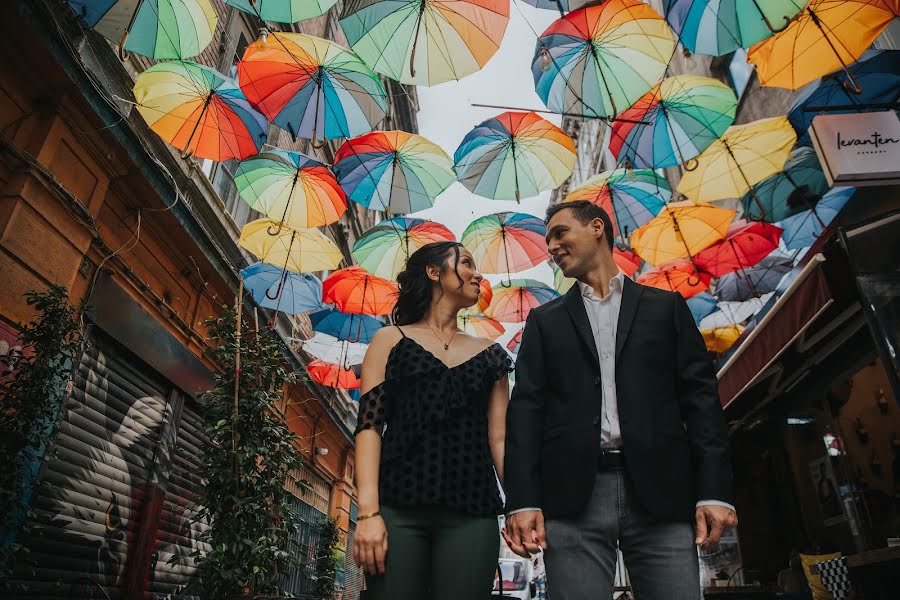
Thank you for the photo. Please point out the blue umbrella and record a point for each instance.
(761, 278)
(281, 290)
(701, 305)
(802, 229)
(878, 72)
(345, 326)
(796, 188)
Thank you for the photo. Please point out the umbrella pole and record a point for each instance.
(768, 23)
(123, 55)
(564, 114)
(506, 257)
(412, 55)
(743, 271)
(687, 248)
(693, 163)
(516, 171)
(854, 87)
(612, 101)
(287, 205)
(319, 92)
(562, 13)
(759, 204)
(187, 151)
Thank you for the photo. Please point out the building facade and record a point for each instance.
(93, 201)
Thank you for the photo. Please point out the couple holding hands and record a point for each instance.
(614, 437)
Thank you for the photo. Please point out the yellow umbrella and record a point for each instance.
(680, 230)
(827, 35)
(741, 158)
(720, 339)
(299, 250)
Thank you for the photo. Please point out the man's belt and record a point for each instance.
(611, 459)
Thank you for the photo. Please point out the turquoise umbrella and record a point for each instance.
(717, 27)
(789, 192)
(283, 11)
(803, 229)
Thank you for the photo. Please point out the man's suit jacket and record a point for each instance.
(673, 429)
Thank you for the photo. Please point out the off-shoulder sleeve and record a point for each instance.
(371, 410)
(501, 363)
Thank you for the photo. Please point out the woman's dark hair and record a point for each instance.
(415, 285)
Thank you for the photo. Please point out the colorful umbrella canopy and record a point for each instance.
(160, 29)
(680, 230)
(627, 261)
(353, 290)
(425, 43)
(798, 186)
(283, 11)
(199, 111)
(294, 189)
(674, 122)
(512, 303)
(629, 197)
(332, 375)
(506, 242)
(677, 276)
(742, 157)
(877, 73)
(393, 170)
(803, 229)
(763, 278)
(514, 155)
(487, 294)
(717, 27)
(332, 350)
(745, 245)
(597, 61)
(734, 313)
(284, 291)
(701, 305)
(720, 339)
(827, 35)
(345, 326)
(561, 283)
(563, 6)
(515, 342)
(384, 249)
(298, 250)
(311, 87)
(481, 326)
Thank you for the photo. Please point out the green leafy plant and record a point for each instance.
(33, 383)
(326, 560)
(245, 463)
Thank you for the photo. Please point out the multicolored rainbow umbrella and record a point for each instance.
(420, 42)
(480, 326)
(298, 250)
(681, 230)
(354, 290)
(311, 87)
(296, 190)
(514, 155)
(282, 290)
(506, 242)
(745, 244)
(629, 197)
(283, 11)
(717, 27)
(796, 188)
(679, 276)
(513, 302)
(384, 249)
(393, 171)
(159, 29)
(674, 122)
(597, 61)
(199, 111)
(345, 326)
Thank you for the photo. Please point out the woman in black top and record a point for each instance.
(429, 438)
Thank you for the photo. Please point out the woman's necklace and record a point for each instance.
(447, 343)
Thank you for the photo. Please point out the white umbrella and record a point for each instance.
(332, 350)
(734, 313)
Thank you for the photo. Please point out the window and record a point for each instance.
(299, 580)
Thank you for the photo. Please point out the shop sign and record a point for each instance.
(858, 148)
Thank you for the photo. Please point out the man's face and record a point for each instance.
(574, 246)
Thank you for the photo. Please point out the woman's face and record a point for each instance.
(467, 291)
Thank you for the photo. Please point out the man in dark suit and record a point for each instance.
(615, 435)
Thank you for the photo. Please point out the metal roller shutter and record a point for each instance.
(353, 574)
(311, 498)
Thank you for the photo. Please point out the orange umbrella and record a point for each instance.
(680, 230)
(354, 290)
(487, 294)
(678, 276)
(826, 36)
(627, 261)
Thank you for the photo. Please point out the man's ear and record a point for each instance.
(599, 227)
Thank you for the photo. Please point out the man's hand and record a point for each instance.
(524, 532)
(712, 522)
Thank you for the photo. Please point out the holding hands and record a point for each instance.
(524, 532)
(712, 522)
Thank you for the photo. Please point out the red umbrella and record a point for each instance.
(487, 294)
(354, 290)
(627, 261)
(332, 375)
(745, 244)
(516, 341)
(678, 276)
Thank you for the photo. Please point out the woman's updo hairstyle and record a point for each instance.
(415, 285)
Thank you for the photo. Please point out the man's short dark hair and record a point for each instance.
(585, 212)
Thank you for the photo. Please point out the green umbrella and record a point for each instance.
(283, 11)
(793, 190)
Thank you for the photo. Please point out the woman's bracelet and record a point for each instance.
(368, 516)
